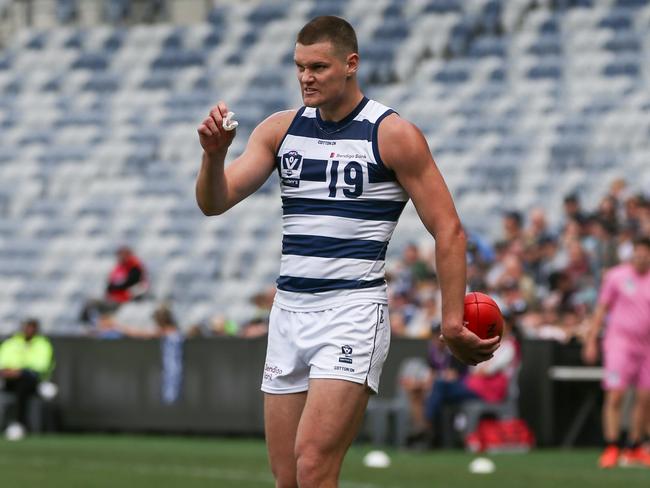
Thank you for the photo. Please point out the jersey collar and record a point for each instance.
(331, 126)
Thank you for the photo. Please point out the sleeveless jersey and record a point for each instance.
(340, 205)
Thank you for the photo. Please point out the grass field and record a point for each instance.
(161, 462)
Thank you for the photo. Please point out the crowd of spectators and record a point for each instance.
(545, 279)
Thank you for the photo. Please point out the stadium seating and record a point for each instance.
(521, 103)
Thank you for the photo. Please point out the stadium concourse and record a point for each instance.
(522, 102)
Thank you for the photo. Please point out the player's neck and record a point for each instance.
(341, 108)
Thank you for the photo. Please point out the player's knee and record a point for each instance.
(614, 400)
(286, 482)
(313, 466)
(285, 476)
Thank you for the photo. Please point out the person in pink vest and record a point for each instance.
(624, 303)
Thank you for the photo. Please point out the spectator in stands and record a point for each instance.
(107, 327)
(511, 299)
(537, 228)
(222, 326)
(623, 302)
(497, 267)
(513, 275)
(625, 243)
(513, 232)
(26, 359)
(254, 328)
(127, 281)
(402, 309)
(608, 212)
(633, 208)
(416, 378)
(618, 190)
(600, 242)
(426, 318)
(163, 324)
(561, 292)
(489, 381)
(543, 259)
(263, 302)
(564, 327)
(572, 210)
(410, 268)
(258, 325)
(644, 219)
(578, 267)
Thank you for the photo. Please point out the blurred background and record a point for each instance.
(536, 111)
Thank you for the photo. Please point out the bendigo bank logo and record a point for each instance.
(290, 169)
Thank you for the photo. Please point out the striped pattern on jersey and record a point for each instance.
(340, 203)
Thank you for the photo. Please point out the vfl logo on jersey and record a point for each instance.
(290, 169)
(346, 354)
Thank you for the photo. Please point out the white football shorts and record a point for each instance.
(349, 342)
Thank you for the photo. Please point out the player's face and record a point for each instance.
(322, 73)
(641, 258)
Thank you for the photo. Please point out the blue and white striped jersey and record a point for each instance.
(340, 207)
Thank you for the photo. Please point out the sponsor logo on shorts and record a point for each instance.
(327, 143)
(344, 368)
(346, 354)
(271, 371)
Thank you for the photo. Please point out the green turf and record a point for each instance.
(161, 462)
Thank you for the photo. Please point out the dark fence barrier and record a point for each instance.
(116, 385)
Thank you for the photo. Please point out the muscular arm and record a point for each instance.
(404, 149)
(219, 188)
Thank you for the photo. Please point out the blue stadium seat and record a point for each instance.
(632, 3)
(442, 6)
(622, 69)
(115, 40)
(265, 13)
(172, 59)
(546, 46)
(545, 71)
(326, 7)
(623, 44)
(618, 20)
(488, 46)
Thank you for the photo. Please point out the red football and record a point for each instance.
(482, 315)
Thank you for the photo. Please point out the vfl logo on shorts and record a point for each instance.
(290, 168)
(346, 354)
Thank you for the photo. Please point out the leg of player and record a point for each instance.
(611, 427)
(612, 414)
(635, 454)
(330, 421)
(281, 417)
(639, 412)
